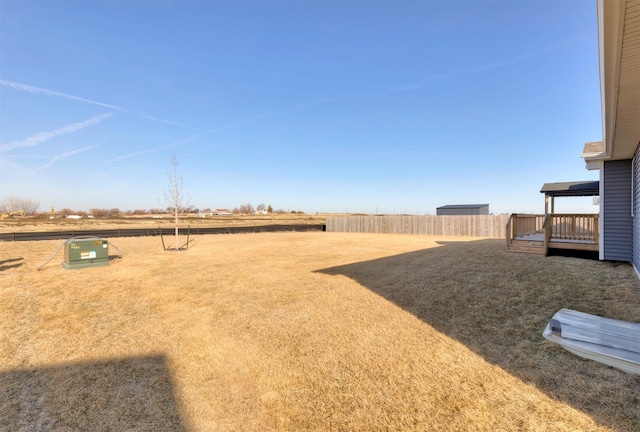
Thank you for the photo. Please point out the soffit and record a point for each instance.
(621, 90)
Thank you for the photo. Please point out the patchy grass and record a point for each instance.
(307, 331)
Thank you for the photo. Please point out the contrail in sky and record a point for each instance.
(42, 137)
(38, 90)
(153, 150)
(420, 84)
(66, 155)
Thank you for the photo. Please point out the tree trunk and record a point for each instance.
(177, 243)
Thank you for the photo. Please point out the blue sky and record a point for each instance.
(318, 106)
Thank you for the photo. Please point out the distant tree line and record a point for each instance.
(30, 207)
(261, 208)
(17, 204)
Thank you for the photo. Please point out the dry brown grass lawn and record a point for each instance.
(307, 331)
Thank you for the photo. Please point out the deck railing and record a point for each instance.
(575, 227)
(522, 225)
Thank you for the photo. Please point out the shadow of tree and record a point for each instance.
(498, 303)
(132, 394)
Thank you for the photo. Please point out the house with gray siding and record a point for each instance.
(616, 157)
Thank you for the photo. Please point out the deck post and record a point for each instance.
(547, 227)
(509, 233)
(546, 204)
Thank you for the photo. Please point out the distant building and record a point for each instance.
(463, 209)
(221, 212)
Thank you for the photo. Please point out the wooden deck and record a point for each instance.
(537, 234)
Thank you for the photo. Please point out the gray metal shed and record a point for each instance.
(463, 209)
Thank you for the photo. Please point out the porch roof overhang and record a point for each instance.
(571, 189)
(619, 60)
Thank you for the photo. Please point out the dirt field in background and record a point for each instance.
(307, 331)
(28, 224)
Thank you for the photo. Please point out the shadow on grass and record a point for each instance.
(497, 304)
(590, 255)
(129, 394)
(18, 262)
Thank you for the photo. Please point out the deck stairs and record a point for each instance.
(527, 246)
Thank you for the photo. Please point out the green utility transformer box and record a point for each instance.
(83, 253)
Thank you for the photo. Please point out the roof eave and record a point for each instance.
(593, 154)
(618, 59)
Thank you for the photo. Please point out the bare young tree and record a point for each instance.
(96, 212)
(16, 204)
(247, 209)
(175, 196)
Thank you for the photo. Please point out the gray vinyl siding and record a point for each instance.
(636, 213)
(617, 220)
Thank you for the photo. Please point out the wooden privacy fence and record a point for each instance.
(488, 226)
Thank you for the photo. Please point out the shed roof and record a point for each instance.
(461, 206)
(580, 188)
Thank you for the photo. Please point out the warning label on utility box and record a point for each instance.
(87, 254)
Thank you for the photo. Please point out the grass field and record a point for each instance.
(166, 221)
(307, 331)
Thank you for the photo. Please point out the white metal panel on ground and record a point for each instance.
(612, 342)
